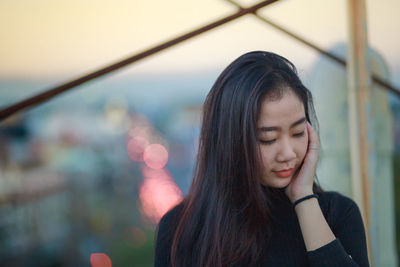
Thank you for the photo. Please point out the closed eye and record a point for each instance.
(267, 142)
(299, 134)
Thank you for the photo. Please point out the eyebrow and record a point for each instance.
(274, 128)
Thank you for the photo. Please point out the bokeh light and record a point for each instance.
(140, 126)
(158, 193)
(136, 147)
(100, 260)
(155, 156)
(116, 114)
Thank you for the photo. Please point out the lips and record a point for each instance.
(284, 173)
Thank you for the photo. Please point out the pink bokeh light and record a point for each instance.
(100, 260)
(158, 193)
(136, 146)
(155, 156)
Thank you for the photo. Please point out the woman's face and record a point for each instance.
(283, 138)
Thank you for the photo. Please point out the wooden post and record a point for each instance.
(359, 87)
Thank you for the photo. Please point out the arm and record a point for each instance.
(316, 231)
(323, 244)
(342, 245)
(314, 228)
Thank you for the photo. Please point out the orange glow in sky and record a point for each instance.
(43, 38)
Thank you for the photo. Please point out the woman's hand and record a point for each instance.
(302, 182)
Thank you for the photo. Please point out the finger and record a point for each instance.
(313, 142)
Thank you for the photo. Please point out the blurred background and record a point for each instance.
(86, 176)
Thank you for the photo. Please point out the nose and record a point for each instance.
(286, 152)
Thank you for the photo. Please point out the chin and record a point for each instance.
(276, 182)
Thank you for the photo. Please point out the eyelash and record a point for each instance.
(269, 142)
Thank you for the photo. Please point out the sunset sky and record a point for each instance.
(47, 38)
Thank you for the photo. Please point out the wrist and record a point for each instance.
(305, 199)
(301, 195)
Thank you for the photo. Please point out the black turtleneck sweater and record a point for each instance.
(286, 246)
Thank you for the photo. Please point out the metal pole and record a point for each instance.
(35, 100)
(359, 88)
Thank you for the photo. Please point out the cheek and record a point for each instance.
(267, 156)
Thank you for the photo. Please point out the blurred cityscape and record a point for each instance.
(87, 176)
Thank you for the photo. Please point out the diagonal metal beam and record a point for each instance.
(387, 85)
(48, 94)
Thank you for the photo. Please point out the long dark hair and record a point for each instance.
(227, 213)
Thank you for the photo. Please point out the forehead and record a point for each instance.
(285, 110)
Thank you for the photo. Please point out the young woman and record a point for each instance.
(253, 200)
